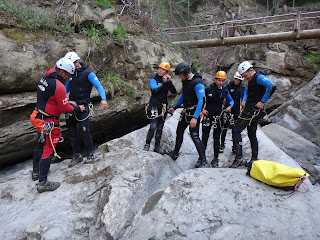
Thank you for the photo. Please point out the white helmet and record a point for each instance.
(66, 65)
(72, 56)
(238, 76)
(244, 66)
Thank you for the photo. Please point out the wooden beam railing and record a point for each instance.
(222, 30)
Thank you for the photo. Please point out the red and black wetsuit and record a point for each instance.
(51, 101)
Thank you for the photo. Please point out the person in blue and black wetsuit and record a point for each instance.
(260, 88)
(193, 99)
(237, 92)
(216, 94)
(156, 110)
(80, 86)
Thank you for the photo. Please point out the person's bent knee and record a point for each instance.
(194, 135)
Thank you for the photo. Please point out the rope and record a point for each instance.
(89, 115)
(217, 118)
(296, 187)
(255, 114)
(230, 120)
(54, 149)
(187, 113)
(47, 129)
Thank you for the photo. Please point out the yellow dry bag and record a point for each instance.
(276, 174)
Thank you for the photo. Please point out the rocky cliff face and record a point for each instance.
(301, 113)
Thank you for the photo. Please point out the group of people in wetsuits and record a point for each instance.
(51, 102)
(210, 106)
(198, 103)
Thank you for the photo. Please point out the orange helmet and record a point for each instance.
(165, 66)
(221, 74)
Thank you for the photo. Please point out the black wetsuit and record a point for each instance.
(157, 107)
(80, 89)
(215, 98)
(193, 99)
(237, 93)
(260, 88)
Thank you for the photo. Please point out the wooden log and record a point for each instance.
(259, 38)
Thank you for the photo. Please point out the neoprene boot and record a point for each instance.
(215, 162)
(77, 158)
(47, 186)
(172, 154)
(158, 149)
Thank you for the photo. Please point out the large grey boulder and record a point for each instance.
(129, 193)
(301, 114)
(225, 204)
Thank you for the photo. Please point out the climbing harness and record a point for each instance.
(187, 113)
(90, 108)
(219, 120)
(47, 129)
(154, 113)
(225, 117)
(254, 115)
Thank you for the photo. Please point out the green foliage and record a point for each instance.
(117, 86)
(115, 83)
(15, 34)
(176, 47)
(104, 3)
(33, 18)
(313, 62)
(132, 92)
(94, 34)
(113, 79)
(196, 66)
(119, 34)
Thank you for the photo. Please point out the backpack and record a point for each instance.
(277, 175)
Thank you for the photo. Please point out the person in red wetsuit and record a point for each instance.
(51, 101)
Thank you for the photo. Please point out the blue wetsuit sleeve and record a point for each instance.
(267, 83)
(155, 87)
(67, 86)
(242, 94)
(179, 102)
(229, 99)
(201, 95)
(96, 83)
(154, 84)
(245, 95)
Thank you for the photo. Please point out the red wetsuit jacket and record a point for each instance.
(52, 99)
(52, 96)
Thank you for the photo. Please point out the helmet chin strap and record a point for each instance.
(190, 77)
